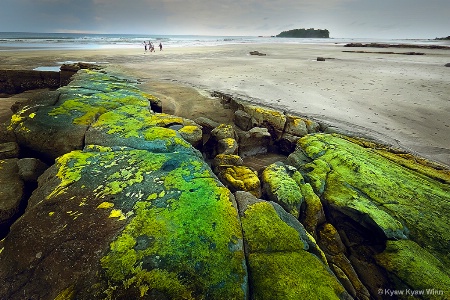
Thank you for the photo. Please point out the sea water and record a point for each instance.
(17, 41)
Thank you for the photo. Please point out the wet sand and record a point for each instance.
(401, 100)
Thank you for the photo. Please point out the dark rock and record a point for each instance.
(331, 243)
(17, 81)
(255, 141)
(447, 65)
(286, 143)
(11, 189)
(9, 150)
(30, 169)
(207, 124)
(320, 58)
(277, 245)
(257, 53)
(243, 120)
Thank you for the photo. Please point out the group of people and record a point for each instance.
(150, 46)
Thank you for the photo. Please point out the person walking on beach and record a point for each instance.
(145, 46)
(160, 47)
(151, 47)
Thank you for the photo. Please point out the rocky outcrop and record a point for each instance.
(371, 192)
(130, 207)
(135, 212)
(17, 81)
(18, 178)
(52, 129)
(284, 261)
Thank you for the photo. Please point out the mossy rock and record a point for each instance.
(138, 128)
(378, 193)
(55, 130)
(136, 214)
(413, 267)
(280, 186)
(389, 197)
(279, 262)
(154, 223)
(240, 178)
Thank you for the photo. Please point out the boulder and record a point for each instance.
(381, 195)
(240, 178)
(227, 146)
(206, 124)
(279, 184)
(255, 141)
(135, 213)
(11, 190)
(280, 255)
(9, 150)
(30, 169)
(296, 126)
(273, 120)
(193, 135)
(331, 243)
(243, 120)
(223, 131)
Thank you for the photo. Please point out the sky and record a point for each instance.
(343, 18)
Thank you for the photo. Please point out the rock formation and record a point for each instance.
(138, 204)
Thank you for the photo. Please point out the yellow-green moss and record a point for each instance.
(415, 267)
(241, 178)
(292, 276)
(70, 168)
(281, 188)
(190, 129)
(195, 234)
(66, 294)
(399, 200)
(266, 232)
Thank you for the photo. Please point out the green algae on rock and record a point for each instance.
(377, 192)
(138, 128)
(279, 262)
(280, 186)
(414, 267)
(133, 211)
(393, 198)
(240, 178)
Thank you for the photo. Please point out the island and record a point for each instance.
(305, 33)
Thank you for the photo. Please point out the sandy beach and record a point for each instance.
(401, 100)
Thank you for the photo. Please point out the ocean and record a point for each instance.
(17, 41)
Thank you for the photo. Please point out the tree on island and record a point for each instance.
(443, 38)
(305, 33)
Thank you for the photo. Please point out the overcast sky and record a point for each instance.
(343, 18)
